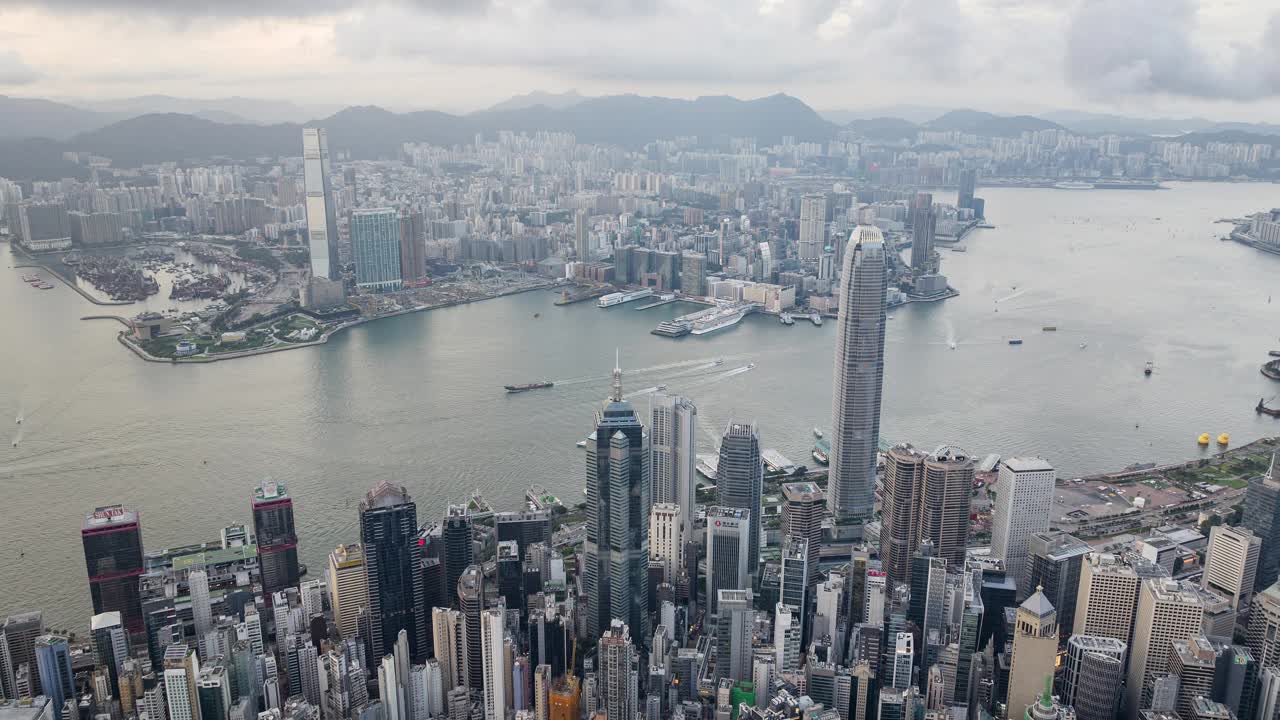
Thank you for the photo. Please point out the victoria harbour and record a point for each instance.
(418, 399)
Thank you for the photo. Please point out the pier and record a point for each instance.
(665, 299)
(567, 298)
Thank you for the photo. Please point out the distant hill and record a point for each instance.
(1229, 136)
(990, 125)
(885, 129)
(28, 159)
(33, 117)
(554, 101)
(911, 113)
(371, 132)
(233, 109)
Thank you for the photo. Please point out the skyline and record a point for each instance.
(1135, 56)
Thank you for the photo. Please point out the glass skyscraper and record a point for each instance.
(388, 531)
(740, 481)
(112, 539)
(276, 538)
(322, 220)
(859, 379)
(375, 248)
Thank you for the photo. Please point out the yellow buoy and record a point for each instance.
(1204, 439)
(1223, 439)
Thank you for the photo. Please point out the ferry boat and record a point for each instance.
(708, 466)
(786, 319)
(1015, 341)
(821, 452)
(816, 319)
(718, 362)
(582, 443)
(1148, 368)
(530, 386)
(672, 328)
(718, 319)
(623, 297)
(1073, 185)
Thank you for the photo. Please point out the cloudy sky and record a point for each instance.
(1219, 58)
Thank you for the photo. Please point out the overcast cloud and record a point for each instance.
(1205, 56)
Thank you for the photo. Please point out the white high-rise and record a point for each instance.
(1107, 598)
(348, 591)
(813, 226)
(322, 220)
(786, 639)
(201, 610)
(493, 660)
(673, 452)
(1167, 611)
(666, 523)
(1024, 493)
(859, 379)
(181, 668)
(1231, 563)
(448, 646)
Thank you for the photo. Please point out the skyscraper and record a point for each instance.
(673, 437)
(616, 548)
(446, 632)
(277, 540)
(1035, 650)
(459, 550)
(388, 533)
(1024, 491)
(859, 379)
(1107, 598)
(412, 248)
(1167, 611)
(923, 224)
(1263, 636)
(1054, 564)
(375, 248)
(201, 609)
(793, 578)
(581, 235)
(17, 648)
(1231, 563)
(813, 226)
(1262, 516)
(802, 508)
(944, 502)
(348, 591)
(110, 645)
(727, 543)
(1094, 676)
(666, 546)
(740, 481)
(112, 539)
(322, 221)
(471, 616)
(492, 663)
(181, 670)
(899, 525)
(734, 621)
(968, 183)
(619, 674)
(57, 679)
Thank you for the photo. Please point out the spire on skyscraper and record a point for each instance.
(616, 394)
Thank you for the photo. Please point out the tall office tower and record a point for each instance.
(510, 576)
(1107, 599)
(924, 223)
(855, 596)
(277, 540)
(181, 668)
(793, 578)
(1094, 676)
(1231, 563)
(813, 226)
(740, 482)
(828, 609)
(666, 544)
(110, 644)
(616, 548)
(412, 247)
(213, 691)
(449, 648)
(201, 609)
(766, 262)
(1262, 516)
(471, 608)
(1267, 700)
(727, 542)
(859, 379)
(1263, 635)
(1053, 565)
(1193, 661)
(1024, 493)
(764, 678)
(968, 182)
(899, 525)
(970, 632)
(802, 508)
(786, 638)
(459, 548)
(734, 621)
(542, 692)
(619, 673)
(1035, 650)
(877, 592)
(490, 659)
(375, 248)
(1167, 610)
(902, 662)
(525, 527)
(944, 503)
(57, 679)
(388, 534)
(724, 242)
(348, 591)
(581, 235)
(112, 539)
(673, 441)
(928, 594)
(17, 648)
(322, 220)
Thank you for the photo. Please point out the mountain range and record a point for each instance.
(36, 132)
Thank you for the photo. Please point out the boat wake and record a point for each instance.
(1007, 298)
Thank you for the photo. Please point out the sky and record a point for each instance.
(1214, 58)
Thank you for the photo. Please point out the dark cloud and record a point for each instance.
(15, 71)
(1154, 47)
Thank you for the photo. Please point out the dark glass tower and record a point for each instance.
(459, 552)
(389, 533)
(276, 538)
(112, 538)
(615, 578)
(1262, 516)
(740, 482)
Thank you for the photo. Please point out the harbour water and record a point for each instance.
(1134, 276)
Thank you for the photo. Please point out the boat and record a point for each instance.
(672, 328)
(717, 318)
(1015, 341)
(751, 366)
(821, 451)
(43, 286)
(951, 345)
(1264, 410)
(1224, 439)
(817, 432)
(30, 278)
(1084, 345)
(537, 315)
(816, 319)
(959, 248)
(18, 421)
(582, 443)
(786, 319)
(1073, 185)
(661, 388)
(1148, 368)
(1049, 328)
(719, 361)
(1203, 439)
(1274, 353)
(708, 465)
(623, 297)
(530, 386)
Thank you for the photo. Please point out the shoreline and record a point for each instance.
(122, 336)
(71, 284)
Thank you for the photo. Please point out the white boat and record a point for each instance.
(582, 443)
(1073, 185)
(719, 361)
(718, 319)
(751, 366)
(951, 345)
(623, 297)
(1084, 345)
(817, 432)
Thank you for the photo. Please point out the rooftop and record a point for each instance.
(1098, 643)
(1038, 604)
(1027, 464)
(25, 709)
(109, 516)
(270, 490)
(802, 492)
